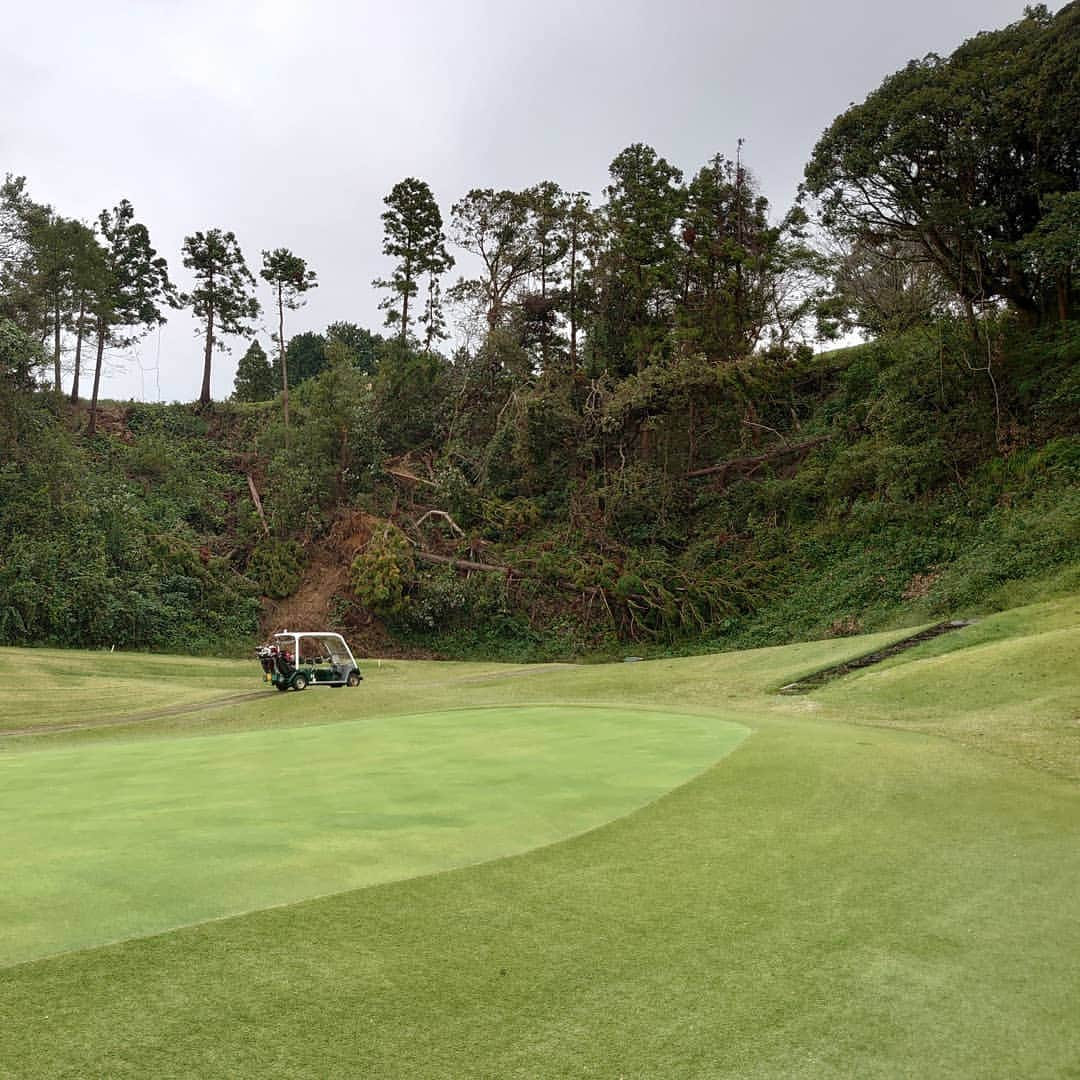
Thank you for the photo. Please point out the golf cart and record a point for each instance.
(301, 660)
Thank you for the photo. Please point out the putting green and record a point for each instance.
(130, 838)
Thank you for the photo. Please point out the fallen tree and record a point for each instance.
(747, 466)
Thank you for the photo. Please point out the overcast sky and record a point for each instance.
(288, 121)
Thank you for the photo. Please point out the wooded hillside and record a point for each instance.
(616, 434)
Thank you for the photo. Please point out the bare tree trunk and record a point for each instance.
(56, 345)
(281, 353)
(461, 564)
(405, 300)
(208, 353)
(258, 502)
(91, 428)
(573, 297)
(78, 350)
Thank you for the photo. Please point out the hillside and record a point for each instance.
(875, 487)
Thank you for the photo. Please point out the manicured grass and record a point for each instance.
(45, 687)
(121, 840)
(838, 897)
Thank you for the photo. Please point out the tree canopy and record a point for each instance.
(961, 157)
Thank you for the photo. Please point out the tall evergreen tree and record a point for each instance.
(641, 258)
(413, 235)
(288, 275)
(548, 218)
(728, 240)
(581, 236)
(131, 289)
(51, 239)
(222, 296)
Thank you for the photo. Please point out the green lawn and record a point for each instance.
(881, 881)
(121, 840)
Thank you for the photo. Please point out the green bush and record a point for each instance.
(384, 571)
(277, 566)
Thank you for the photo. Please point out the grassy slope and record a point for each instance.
(830, 900)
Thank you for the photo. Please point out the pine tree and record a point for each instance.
(414, 237)
(130, 289)
(290, 278)
(222, 295)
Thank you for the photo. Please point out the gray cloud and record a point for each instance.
(287, 122)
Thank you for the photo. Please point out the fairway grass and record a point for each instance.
(880, 882)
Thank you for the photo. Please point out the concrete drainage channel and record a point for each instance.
(819, 678)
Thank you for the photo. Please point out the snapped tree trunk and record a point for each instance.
(258, 502)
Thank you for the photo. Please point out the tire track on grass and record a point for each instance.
(232, 699)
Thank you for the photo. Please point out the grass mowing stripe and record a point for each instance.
(829, 902)
(126, 839)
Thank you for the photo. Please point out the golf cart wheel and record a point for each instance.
(353, 679)
(281, 686)
(299, 681)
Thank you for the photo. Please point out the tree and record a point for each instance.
(881, 288)
(305, 357)
(639, 271)
(548, 219)
(19, 355)
(88, 273)
(1052, 249)
(432, 320)
(581, 236)
(128, 289)
(744, 279)
(50, 241)
(222, 295)
(409, 393)
(21, 220)
(494, 227)
(290, 278)
(362, 345)
(413, 235)
(254, 376)
(957, 156)
(338, 436)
